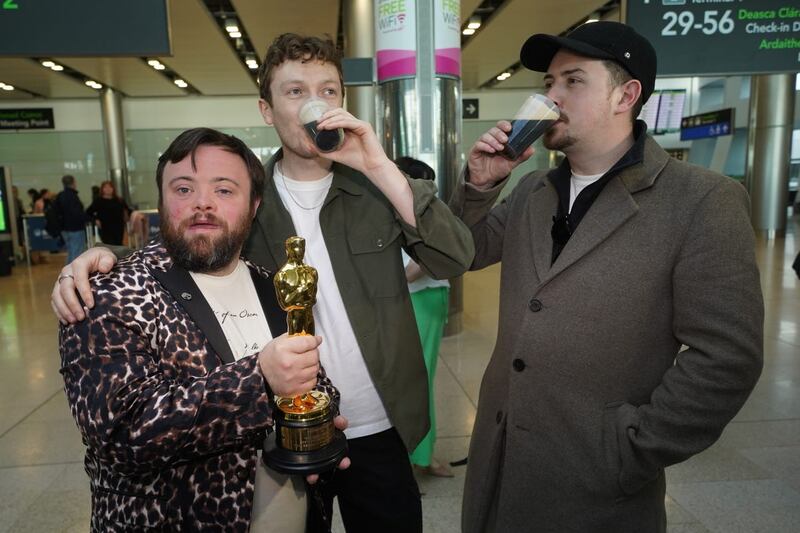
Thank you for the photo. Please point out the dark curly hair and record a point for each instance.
(187, 143)
(293, 47)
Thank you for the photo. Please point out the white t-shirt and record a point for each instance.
(425, 282)
(235, 303)
(577, 183)
(278, 500)
(339, 352)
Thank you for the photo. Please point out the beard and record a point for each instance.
(552, 141)
(201, 253)
(558, 143)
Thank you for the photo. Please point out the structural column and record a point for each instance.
(359, 41)
(768, 151)
(114, 130)
(418, 56)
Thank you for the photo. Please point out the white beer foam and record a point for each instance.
(538, 107)
(312, 110)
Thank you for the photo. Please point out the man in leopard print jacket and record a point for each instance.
(171, 410)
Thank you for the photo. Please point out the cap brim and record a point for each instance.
(538, 51)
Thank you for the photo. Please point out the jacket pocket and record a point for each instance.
(613, 461)
(628, 473)
(376, 256)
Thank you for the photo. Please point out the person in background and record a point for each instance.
(33, 194)
(73, 218)
(43, 199)
(20, 210)
(109, 213)
(430, 299)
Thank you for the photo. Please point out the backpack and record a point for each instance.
(53, 219)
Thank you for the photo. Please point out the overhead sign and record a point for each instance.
(470, 108)
(27, 119)
(713, 124)
(711, 37)
(45, 28)
(358, 71)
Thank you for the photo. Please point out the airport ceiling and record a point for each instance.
(203, 55)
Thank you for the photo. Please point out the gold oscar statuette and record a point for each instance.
(305, 439)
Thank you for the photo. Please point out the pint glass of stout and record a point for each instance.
(325, 140)
(535, 116)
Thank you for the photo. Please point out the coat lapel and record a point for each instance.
(610, 210)
(181, 285)
(274, 220)
(542, 205)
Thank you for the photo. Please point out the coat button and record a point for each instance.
(186, 296)
(535, 305)
(379, 243)
(499, 416)
(518, 364)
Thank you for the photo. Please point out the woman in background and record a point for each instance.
(44, 199)
(430, 299)
(109, 213)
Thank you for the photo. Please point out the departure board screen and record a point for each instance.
(707, 37)
(664, 110)
(670, 111)
(46, 28)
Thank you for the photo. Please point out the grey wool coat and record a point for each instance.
(588, 394)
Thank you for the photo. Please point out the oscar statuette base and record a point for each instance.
(305, 463)
(305, 440)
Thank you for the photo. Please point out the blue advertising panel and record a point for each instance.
(37, 237)
(153, 223)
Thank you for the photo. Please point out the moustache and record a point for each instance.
(203, 219)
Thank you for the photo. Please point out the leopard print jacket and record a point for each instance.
(171, 429)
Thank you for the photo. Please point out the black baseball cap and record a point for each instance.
(601, 40)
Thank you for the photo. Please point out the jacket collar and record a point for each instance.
(636, 171)
(635, 154)
(274, 220)
(343, 177)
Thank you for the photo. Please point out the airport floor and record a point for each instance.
(749, 481)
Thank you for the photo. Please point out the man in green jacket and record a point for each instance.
(356, 211)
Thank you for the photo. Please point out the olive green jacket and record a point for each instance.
(364, 236)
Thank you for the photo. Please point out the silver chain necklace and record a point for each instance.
(294, 200)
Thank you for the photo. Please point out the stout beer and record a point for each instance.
(535, 117)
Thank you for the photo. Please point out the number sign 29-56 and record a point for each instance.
(720, 37)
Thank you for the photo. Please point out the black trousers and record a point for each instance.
(377, 492)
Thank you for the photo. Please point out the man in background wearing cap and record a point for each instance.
(610, 264)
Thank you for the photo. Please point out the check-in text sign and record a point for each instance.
(711, 37)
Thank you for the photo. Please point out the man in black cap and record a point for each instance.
(631, 316)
